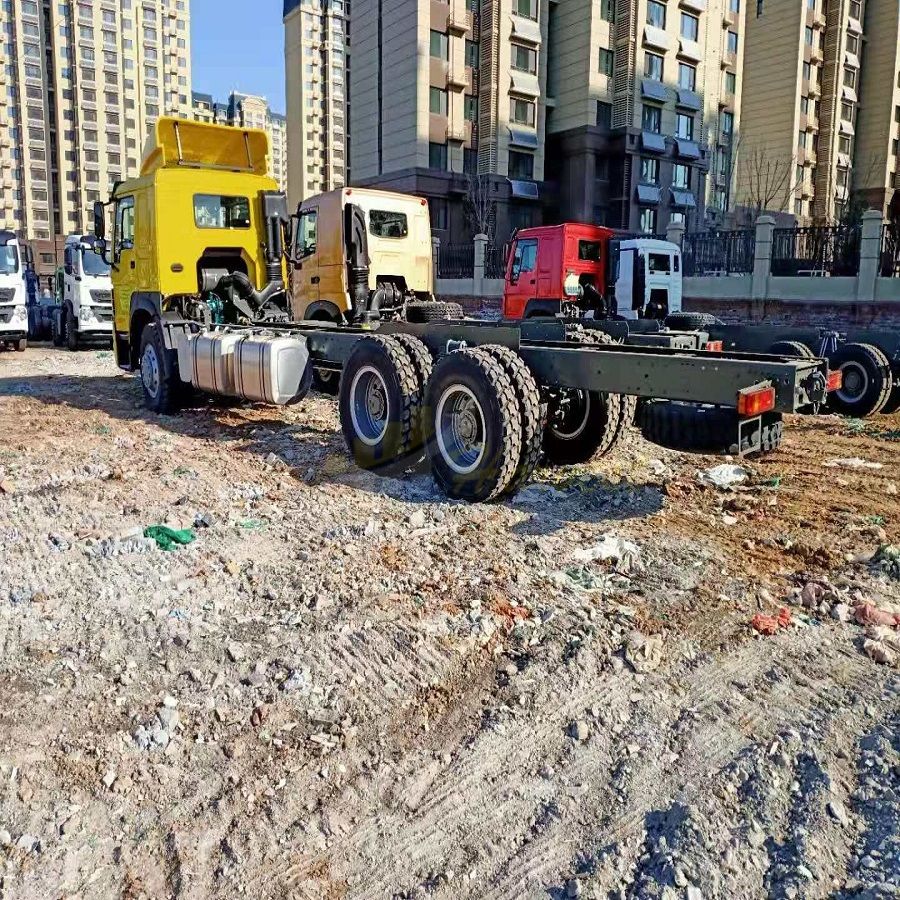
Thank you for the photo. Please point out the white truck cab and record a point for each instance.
(13, 293)
(647, 276)
(86, 312)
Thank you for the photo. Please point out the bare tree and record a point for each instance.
(765, 181)
(480, 205)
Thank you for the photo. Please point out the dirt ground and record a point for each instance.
(348, 687)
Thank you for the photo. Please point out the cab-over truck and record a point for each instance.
(210, 293)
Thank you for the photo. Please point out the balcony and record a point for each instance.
(458, 21)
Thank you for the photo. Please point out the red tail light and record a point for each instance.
(754, 401)
(714, 346)
(835, 380)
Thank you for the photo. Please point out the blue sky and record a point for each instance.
(238, 45)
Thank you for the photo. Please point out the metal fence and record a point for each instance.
(495, 256)
(890, 251)
(818, 250)
(718, 253)
(456, 261)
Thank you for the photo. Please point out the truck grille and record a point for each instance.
(7, 295)
(101, 296)
(103, 315)
(6, 316)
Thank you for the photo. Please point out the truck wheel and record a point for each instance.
(160, 390)
(531, 410)
(793, 349)
(21, 345)
(432, 311)
(57, 329)
(70, 329)
(688, 321)
(474, 427)
(867, 380)
(380, 405)
(326, 381)
(893, 403)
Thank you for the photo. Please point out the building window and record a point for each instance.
(606, 61)
(472, 57)
(852, 43)
(522, 112)
(734, 5)
(527, 8)
(649, 170)
(690, 27)
(648, 220)
(521, 166)
(730, 83)
(687, 76)
(471, 108)
(847, 111)
(653, 66)
(437, 101)
(524, 59)
(850, 78)
(437, 156)
(844, 144)
(684, 127)
(438, 213)
(470, 161)
(656, 14)
(808, 36)
(608, 10)
(731, 42)
(681, 176)
(440, 45)
(855, 9)
(651, 119)
(604, 114)
(802, 138)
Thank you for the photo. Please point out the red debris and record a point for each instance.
(869, 614)
(771, 624)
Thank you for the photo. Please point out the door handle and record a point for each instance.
(533, 281)
(314, 279)
(131, 264)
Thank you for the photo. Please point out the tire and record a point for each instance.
(793, 349)
(21, 345)
(893, 402)
(688, 321)
(867, 380)
(582, 425)
(70, 329)
(159, 374)
(380, 405)
(432, 311)
(701, 429)
(326, 381)
(473, 426)
(57, 331)
(423, 364)
(531, 410)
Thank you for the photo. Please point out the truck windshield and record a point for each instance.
(9, 260)
(214, 211)
(660, 262)
(93, 263)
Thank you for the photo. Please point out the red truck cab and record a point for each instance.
(575, 269)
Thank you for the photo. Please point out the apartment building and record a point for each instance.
(643, 97)
(317, 57)
(820, 98)
(82, 83)
(249, 111)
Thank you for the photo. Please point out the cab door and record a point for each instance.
(521, 281)
(307, 276)
(69, 262)
(625, 271)
(124, 261)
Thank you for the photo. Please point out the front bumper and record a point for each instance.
(13, 334)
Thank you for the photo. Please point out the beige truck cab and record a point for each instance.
(353, 242)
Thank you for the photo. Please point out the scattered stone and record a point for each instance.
(838, 812)
(573, 888)
(28, 843)
(644, 653)
(579, 730)
(236, 652)
(109, 778)
(693, 893)
(841, 612)
(417, 519)
(5, 838)
(724, 476)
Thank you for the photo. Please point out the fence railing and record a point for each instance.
(495, 260)
(818, 250)
(890, 251)
(718, 253)
(456, 261)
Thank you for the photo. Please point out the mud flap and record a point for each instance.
(758, 434)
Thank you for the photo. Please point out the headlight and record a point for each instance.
(20, 314)
(87, 314)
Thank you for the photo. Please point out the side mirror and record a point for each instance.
(515, 272)
(99, 220)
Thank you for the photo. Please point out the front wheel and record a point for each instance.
(159, 381)
(21, 344)
(866, 380)
(70, 329)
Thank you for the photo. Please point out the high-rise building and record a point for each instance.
(449, 102)
(249, 111)
(317, 56)
(819, 115)
(643, 100)
(82, 84)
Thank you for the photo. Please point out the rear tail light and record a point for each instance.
(714, 346)
(754, 401)
(835, 380)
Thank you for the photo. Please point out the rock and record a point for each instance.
(841, 612)
(624, 553)
(5, 838)
(724, 476)
(160, 737)
(168, 718)
(693, 893)
(109, 778)
(573, 888)
(804, 872)
(756, 837)
(235, 652)
(644, 653)
(837, 812)
(417, 519)
(7, 487)
(27, 843)
(579, 730)
(204, 520)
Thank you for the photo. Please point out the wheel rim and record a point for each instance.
(150, 370)
(855, 382)
(571, 415)
(369, 407)
(460, 429)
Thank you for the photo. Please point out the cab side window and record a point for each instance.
(124, 225)
(307, 233)
(524, 258)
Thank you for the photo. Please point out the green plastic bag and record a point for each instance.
(168, 538)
